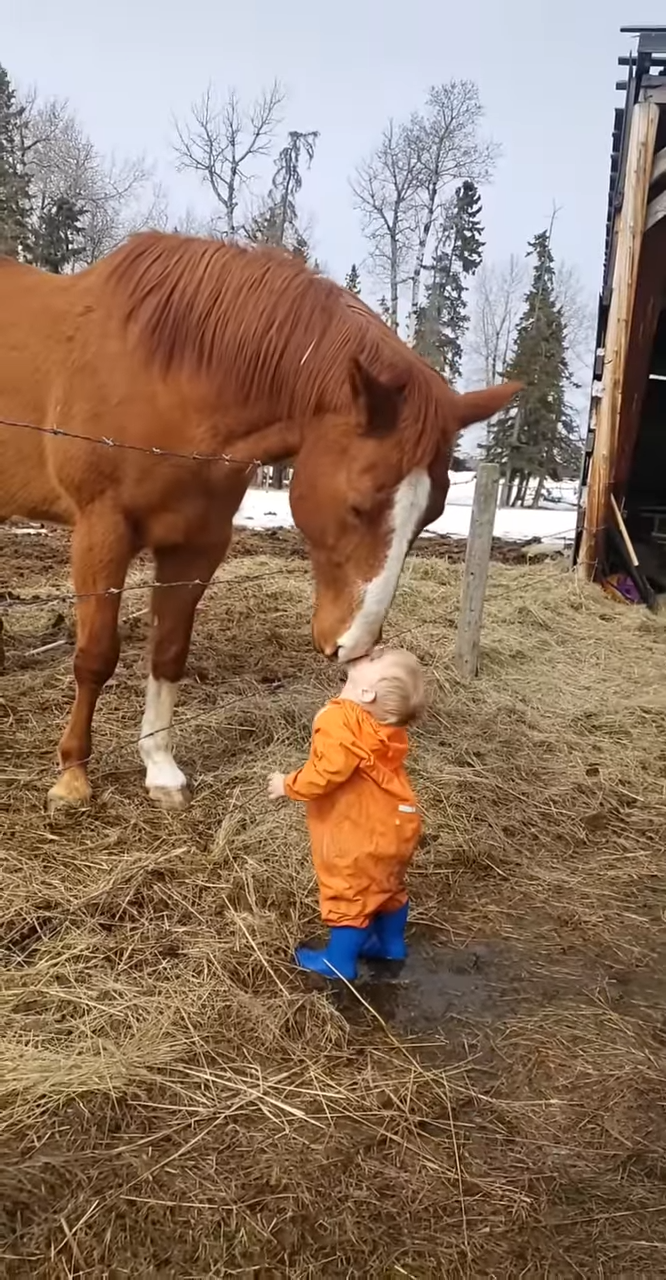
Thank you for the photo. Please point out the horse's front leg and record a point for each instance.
(173, 608)
(101, 551)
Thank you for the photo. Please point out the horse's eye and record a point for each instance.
(359, 512)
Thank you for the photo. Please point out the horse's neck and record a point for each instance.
(274, 443)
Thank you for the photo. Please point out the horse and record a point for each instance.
(220, 356)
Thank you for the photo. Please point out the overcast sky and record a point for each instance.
(546, 71)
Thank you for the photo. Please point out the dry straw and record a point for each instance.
(177, 1101)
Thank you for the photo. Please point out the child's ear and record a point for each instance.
(367, 695)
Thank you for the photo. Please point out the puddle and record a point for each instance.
(447, 993)
(434, 985)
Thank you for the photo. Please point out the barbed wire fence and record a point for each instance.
(155, 451)
(10, 602)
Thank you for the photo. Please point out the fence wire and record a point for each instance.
(11, 602)
(153, 451)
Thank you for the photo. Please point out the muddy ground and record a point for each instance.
(32, 556)
(176, 1100)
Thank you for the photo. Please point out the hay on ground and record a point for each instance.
(176, 1100)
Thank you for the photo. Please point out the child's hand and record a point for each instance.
(276, 786)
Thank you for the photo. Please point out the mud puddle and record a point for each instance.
(450, 991)
(435, 985)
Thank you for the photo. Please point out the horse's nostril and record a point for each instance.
(329, 651)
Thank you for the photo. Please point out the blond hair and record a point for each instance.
(400, 695)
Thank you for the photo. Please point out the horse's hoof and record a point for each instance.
(69, 792)
(173, 798)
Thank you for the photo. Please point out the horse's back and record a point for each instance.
(35, 320)
(68, 360)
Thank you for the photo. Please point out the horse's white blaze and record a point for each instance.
(155, 741)
(409, 505)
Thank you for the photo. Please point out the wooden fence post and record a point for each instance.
(477, 559)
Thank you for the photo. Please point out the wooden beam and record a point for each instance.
(477, 559)
(654, 89)
(630, 229)
(659, 167)
(656, 210)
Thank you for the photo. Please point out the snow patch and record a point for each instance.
(553, 522)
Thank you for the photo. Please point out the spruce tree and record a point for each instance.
(15, 237)
(353, 280)
(58, 238)
(384, 310)
(300, 247)
(537, 438)
(277, 222)
(442, 321)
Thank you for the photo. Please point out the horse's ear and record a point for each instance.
(478, 406)
(276, 443)
(380, 402)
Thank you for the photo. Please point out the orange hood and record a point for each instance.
(382, 747)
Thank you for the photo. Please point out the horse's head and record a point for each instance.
(364, 486)
(360, 499)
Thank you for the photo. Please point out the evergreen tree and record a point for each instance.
(58, 238)
(538, 438)
(15, 238)
(353, 280)
(442, 321)
(301, 249)
(384, 310)
(277, 222)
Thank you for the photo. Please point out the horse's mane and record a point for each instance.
(258, 322)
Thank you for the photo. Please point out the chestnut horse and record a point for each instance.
(198, 347)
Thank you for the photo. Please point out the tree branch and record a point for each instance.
(220, 138)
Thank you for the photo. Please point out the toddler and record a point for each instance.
(361, 811)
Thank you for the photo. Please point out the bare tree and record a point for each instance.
(385, 189)
(222, 141)
(450, 150)
(579, 313)
(189, 223)
(402, 190)
(496, 299)
(115, 197)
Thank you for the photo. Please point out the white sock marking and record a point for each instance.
(155, 740)
(409, 504)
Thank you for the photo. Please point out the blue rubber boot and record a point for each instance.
(386, 938)
(340, 958)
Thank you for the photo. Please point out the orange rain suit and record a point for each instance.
(361, 812)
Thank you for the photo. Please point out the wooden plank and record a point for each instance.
(623, 532)
(630, 228)
(477, 559)
(635, 572)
